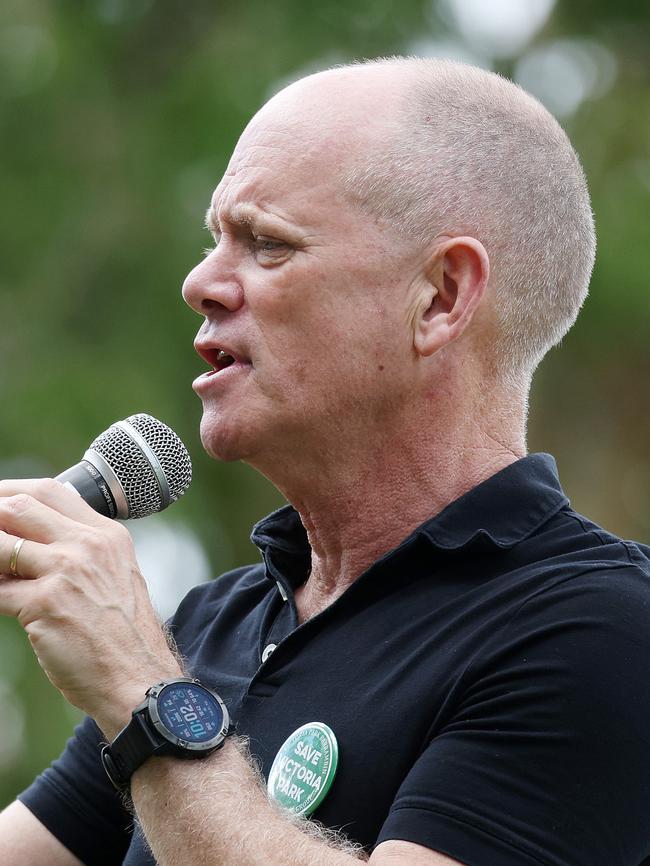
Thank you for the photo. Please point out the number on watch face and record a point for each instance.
(190, 712)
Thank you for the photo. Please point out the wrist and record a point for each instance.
(178, 717)
(118, 706)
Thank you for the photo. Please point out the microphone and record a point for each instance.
(135, 468)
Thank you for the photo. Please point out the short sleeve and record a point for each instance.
(75, 801)
(544, 757)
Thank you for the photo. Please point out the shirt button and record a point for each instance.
(268, 651)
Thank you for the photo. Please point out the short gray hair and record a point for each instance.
(473, 153)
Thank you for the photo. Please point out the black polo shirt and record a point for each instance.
(488, 682)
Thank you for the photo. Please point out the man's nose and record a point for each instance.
(213, 285)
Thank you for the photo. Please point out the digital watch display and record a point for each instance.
(179, 717)
(188, 714)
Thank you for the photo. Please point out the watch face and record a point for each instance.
(190, 712)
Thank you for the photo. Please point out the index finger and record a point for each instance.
(59, 497)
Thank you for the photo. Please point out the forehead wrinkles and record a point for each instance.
(259, 162)
(260, 155)
(265, 145)
(278, 170)
(299, 145)
(238, 197)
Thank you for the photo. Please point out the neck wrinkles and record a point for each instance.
(358, 503)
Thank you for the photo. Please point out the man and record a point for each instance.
(397, 245)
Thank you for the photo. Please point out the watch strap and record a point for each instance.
(131, 748)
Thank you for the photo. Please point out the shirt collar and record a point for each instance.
(501, 511)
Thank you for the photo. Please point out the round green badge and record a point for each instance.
(304, 768)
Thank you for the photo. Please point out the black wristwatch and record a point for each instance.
(178, 717)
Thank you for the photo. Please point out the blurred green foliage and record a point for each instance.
(117, 119)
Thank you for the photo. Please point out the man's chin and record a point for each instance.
(222, 441)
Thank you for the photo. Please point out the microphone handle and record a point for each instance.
(86, 480)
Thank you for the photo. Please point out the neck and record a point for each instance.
(359, 505)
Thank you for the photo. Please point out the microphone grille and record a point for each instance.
(136, 471)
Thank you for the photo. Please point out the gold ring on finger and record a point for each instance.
(13, 559)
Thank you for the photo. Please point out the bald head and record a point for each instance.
(470, 153)
(432, 147)
(335, 114)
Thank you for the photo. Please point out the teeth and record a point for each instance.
(223, 359)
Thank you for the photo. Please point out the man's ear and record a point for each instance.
(455, 278)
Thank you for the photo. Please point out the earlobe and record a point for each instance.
(456, 278)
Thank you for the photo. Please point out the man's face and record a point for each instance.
(308, 296)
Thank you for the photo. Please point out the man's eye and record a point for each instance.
(269, 251)
(268, 245)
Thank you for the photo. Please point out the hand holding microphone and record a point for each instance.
(70, 575)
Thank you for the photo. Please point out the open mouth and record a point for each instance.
(222, 360)
(219, 359)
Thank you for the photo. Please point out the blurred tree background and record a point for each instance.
(118, 117)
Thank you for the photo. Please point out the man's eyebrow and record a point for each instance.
(244, 213)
